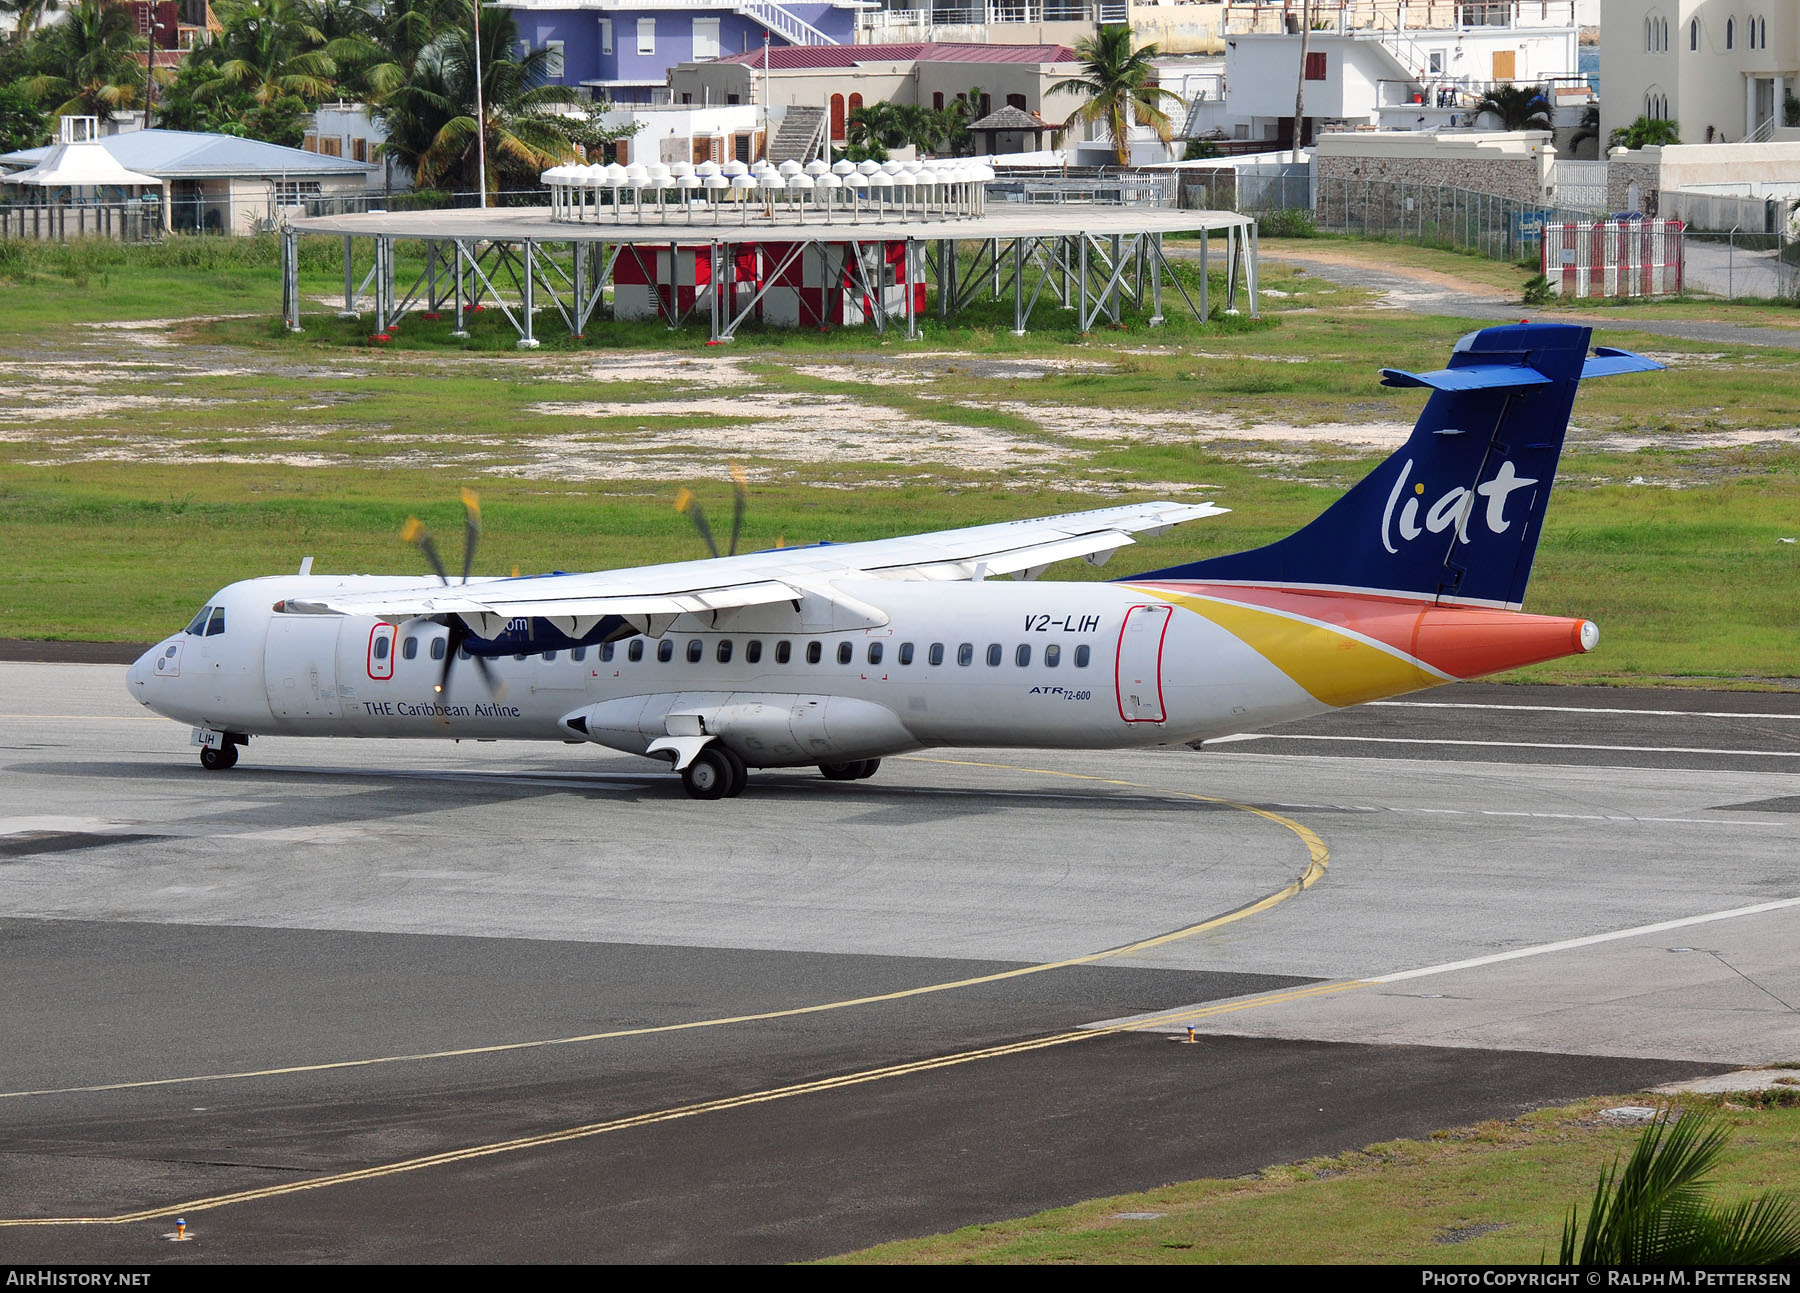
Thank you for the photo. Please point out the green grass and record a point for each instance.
(1493, 1194)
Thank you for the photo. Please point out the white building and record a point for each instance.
(1720, 69)
(1383, 64)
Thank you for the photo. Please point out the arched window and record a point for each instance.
(1665, 35)
(1016, 101)
(1730, 32)
(1694, 36)
(1649, 36)
(855, 102)
(837, 116)
(937, 100)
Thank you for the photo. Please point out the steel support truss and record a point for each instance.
(1092, 275)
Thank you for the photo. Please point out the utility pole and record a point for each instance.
(1300, 94)
(480, 111)
(765, 94)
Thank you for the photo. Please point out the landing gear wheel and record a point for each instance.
(709, 776)
(218, 760)
(868, 769)
(846, 771)
(740, 775)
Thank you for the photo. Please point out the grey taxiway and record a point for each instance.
(433, 1001)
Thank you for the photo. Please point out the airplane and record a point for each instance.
(839, 655)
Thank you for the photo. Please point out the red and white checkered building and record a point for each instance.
(643, 281)
(820, 287)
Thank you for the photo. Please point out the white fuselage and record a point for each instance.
(998, 662)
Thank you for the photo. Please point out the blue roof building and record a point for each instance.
(622, 50)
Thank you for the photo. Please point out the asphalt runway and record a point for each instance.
(369, 1001)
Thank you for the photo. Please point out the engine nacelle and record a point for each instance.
(768, 730)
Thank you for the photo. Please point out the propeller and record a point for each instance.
(456, 630)
(688, 505)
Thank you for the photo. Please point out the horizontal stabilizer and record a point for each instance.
(1475, 377)
(1608, 362)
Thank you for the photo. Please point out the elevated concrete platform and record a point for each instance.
(872, 267)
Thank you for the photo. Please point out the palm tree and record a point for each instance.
(1645, 132)
(1588, 129)
(1654, 1210)
(1120, 88)
(430, 116)
(1519, 107)
(27, 14)
(91, 52)
(271, 49)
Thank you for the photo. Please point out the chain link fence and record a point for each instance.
(1744, 266)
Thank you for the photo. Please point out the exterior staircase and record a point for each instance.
(785, 23)
(798, 136)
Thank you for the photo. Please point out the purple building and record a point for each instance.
(622, 50)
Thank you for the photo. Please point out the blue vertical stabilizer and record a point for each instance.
(1454, 515)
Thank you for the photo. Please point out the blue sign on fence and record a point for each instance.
(1529, 225)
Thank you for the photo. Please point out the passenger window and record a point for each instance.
(635, 651)
(1081, 657)
(1022, 657)
(936, 655)
(197, 626)
(753, 651)
(906, 653)
(437, 648)
(216, 625)
(965, 654)
(874, 653)
(724, 650)
(993, 654)
(519, 656)
(462, 653)
(1052, 656)
(579, 653)
(665, 650)
(845, 651)
(607, 651)
(409, 649)
(813, 652)
(549, 656)
(696, 649)
(382, 645)
(784, 651)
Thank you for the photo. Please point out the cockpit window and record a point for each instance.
(216, 625)
(197, 627)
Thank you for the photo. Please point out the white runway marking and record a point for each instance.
(1575, 709)
(1555, 817)
(1510, 745)
(1589, 941)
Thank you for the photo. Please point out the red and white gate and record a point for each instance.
(1613, 257)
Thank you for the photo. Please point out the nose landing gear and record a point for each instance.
(226, 756)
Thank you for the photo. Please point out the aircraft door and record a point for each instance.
(381, 653)
(1140, 663)
(300, 665)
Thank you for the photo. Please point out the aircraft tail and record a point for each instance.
(1454, 515)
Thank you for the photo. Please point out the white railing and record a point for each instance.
(1763, 133)
(1341, 17)
(881, 25)
(785, 23)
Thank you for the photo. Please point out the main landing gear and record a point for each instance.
(716, 773)
(855, 770)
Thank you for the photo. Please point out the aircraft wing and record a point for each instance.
(647, 595)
